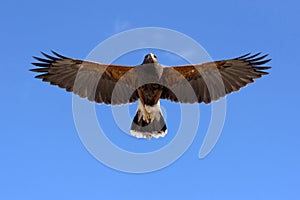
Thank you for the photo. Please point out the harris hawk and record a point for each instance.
(149, 82)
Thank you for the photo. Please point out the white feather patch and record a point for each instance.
(148, 135)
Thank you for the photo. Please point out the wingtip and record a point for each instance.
(40, 64)
(42, 59)
(59, 55)
(255, 59)
(44, 54)
(242, 56)
(249, 56)
(260, 62)
(48, 56)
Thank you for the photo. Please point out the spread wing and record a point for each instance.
(95, 81)
(212, 80)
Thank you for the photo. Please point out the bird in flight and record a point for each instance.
(149, 82)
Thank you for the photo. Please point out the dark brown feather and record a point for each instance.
(91, 80)
(212, 80)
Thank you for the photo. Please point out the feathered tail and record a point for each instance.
(148, 122)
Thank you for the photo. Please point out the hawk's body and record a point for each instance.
(148, 121)
(149, 82)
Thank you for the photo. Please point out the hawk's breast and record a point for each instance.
(151, 93)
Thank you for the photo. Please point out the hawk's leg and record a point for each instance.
(146, 116)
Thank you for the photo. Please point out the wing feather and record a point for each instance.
(212, 80)
(95, 81)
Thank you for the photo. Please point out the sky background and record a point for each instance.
(257, 156)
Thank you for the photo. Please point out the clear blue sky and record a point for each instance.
(257, 156)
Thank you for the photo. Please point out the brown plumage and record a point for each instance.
(149, 82)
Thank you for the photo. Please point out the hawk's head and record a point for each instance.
(150, 58)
